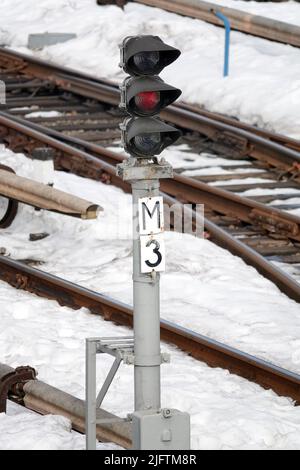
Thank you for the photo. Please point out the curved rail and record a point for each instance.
(274, 149)
(240, 20)
(214, 353)
(101, 168)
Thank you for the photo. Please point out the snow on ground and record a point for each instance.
(227, 411)
(211, 275)
(222, 297)
(263, 87)
(22, 429)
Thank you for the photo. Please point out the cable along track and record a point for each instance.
(77, 116)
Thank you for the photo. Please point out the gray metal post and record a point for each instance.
(90, 377)
(146, 301)
(153, 427)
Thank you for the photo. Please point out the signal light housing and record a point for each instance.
(144, 95)
(139, 87)
(146, 137)
(146, 55)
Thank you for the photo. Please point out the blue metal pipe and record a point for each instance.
(227, 40)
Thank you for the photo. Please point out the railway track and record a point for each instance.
(255, 25)
(213, 353)
(77, 116)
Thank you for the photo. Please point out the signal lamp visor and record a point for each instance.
(147, 143)
(146, 55)
(145, 62)
(146, 137)
(150, 62)
(146, 97)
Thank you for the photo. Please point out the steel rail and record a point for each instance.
(231, 121)
(190, 190)
(239, 20)
(44, 399)
(214, 353)
(72, 159)
(274, 149)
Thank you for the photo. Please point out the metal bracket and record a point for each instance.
(135, 169)
(122, 349)
(13, 381)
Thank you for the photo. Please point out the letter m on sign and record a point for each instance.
(151, 215)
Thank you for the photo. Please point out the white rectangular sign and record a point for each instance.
(152, 253)
(151, 215)
(151, 224)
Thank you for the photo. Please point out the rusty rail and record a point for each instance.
(274, 149)
(72, 159)
(241, 21)
(214, 353)
(284, 155)
(189, 190)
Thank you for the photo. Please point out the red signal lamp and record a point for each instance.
(147, 101)
(146, 96)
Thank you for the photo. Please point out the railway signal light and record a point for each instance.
(147, 96)
(144, 135)
(147, 136)
(144, 95)
(146, 55)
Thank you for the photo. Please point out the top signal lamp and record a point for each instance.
(146, 55)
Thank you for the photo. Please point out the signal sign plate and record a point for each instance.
(151, 215)
(151, 224)
(152, 253)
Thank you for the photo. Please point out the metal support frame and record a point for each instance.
(121, 348)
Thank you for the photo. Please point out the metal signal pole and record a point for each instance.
(145, 137)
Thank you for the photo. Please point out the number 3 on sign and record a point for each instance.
(152, 253)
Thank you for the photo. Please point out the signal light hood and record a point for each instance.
(133, 86)
(134, 127)
(138, 44)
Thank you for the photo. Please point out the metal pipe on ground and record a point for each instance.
(241, 21)
(45, 197)
(45, 399)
